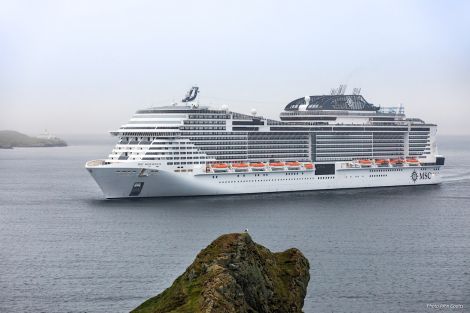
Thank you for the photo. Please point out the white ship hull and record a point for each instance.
(125, 182)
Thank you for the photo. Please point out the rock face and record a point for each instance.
(234, 274)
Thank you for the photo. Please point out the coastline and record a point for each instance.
(10, 139)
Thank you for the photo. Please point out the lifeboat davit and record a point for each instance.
(240, 167)
(257, 166)
(308, 166)
(220, 167)
(276, 166)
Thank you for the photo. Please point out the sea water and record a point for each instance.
(63, 248)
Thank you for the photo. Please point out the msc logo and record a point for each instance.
(426, 175)
(414, 176)
(421, 176)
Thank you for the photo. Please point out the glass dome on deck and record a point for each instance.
(332, 102)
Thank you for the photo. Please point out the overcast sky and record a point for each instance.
(84, 67)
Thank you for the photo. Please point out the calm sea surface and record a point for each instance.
(65, 249)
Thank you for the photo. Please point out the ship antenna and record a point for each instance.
(338, 91)
(401, 110)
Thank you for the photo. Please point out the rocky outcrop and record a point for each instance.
(235, 274)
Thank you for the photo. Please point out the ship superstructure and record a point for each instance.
(320, 142)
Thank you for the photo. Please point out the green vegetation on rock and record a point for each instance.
(10, 139)
(235, 274)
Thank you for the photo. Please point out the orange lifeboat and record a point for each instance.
(295, 163)
(220, 167)
(365, 163)
(396, 162)
(275, 166)
(381, 162)
(308, 166)
(412, 161)
(240, 167)
(257, 166)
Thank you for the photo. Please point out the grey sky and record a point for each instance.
(86, 66)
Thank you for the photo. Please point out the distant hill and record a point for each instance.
(11, 138)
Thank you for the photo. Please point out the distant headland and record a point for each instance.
(10, 139)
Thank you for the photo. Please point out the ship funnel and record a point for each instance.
(191, 95)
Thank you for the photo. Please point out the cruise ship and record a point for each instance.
(319, 142)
